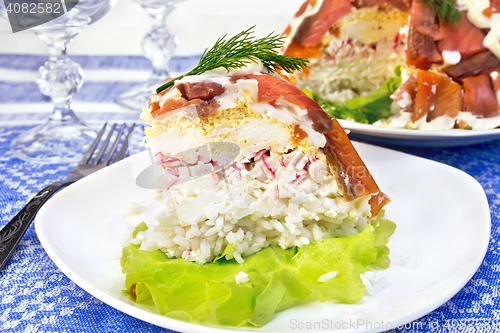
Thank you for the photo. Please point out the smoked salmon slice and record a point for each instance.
(272, 89)
(463, 37)
(350, 166)
(402, 5)
(482, 63)
(422, 50)
(368, 3)
(437, 95)
(199, 94)
(409, 87)
(479, 96)
(313, 28)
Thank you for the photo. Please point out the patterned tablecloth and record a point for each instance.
(35, 296)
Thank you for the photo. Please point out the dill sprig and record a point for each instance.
(445, 9)
(242, 49)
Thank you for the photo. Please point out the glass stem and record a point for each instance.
(160, 66)
(62, 110)
(63, 113)
(159, 44)
(60, 78)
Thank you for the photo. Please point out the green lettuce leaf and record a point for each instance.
(366, 109)
(140, 227)
(278, 278)
(228, 250)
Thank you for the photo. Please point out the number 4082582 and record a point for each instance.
(32, 8)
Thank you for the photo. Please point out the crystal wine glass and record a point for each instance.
(63, 138)
(158, 45)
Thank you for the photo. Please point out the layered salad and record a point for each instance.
(263, 201)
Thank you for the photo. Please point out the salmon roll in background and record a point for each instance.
(294, 178)
(401, 63)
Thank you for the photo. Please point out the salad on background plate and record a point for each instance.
(401, 64)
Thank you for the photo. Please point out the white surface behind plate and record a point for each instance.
(196, 23)
(442, 235)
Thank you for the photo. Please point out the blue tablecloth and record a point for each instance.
(36, 297)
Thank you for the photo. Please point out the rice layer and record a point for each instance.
(271, 199)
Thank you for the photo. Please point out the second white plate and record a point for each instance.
(417, 138)
(443, 229)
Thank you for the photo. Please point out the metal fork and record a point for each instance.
(12, 232)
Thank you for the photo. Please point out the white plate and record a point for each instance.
(416, 138)
(443, 231)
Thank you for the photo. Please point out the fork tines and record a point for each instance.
(97, 160)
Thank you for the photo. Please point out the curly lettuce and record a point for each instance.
(364, 109)
(277, 278)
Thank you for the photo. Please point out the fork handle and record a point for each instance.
(12, 232)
